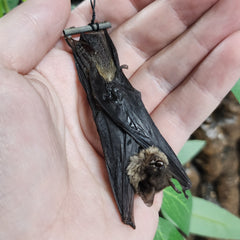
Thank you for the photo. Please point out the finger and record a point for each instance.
(116, 11)
(165, 19)
(29, 31)
(154, 27)
(190, 103)
(162, 73)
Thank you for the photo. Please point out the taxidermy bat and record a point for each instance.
(138, 158)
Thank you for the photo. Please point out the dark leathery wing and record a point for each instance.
(123, 123)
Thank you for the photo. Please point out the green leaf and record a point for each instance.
(166, 231)
(2, 10)
(210, 220)
(176, 208)
(74, 5)
(5, 7)
(12, 4)
(190, 149)
(236, 90)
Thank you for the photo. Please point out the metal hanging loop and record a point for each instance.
(91, 27)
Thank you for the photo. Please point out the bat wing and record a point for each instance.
(123, 123)
(117, 145)
(129, 113)
(123, 104)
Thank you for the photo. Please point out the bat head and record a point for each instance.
(148, 173)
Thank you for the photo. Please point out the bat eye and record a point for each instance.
(157, 164)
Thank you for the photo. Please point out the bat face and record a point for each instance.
(148, 173)
(138, 158)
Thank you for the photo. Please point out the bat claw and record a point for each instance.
(185, 194)
(174, 187)
(124, 66)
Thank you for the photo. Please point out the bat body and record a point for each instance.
(138, 158)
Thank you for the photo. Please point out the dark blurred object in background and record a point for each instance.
(215, 171)
(74, 3)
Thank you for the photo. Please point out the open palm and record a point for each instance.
(182, 55)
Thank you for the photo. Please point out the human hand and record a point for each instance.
(53, 180)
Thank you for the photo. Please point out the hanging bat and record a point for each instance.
(138, 158)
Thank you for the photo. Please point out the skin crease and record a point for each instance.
(183, 57)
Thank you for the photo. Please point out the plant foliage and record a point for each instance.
(7, 5)
(236, 90)
(210, 220)
(167, 230)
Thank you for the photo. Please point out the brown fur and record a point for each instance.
(139, 162)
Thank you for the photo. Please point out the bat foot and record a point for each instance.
(185, 194)
(174, 187)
